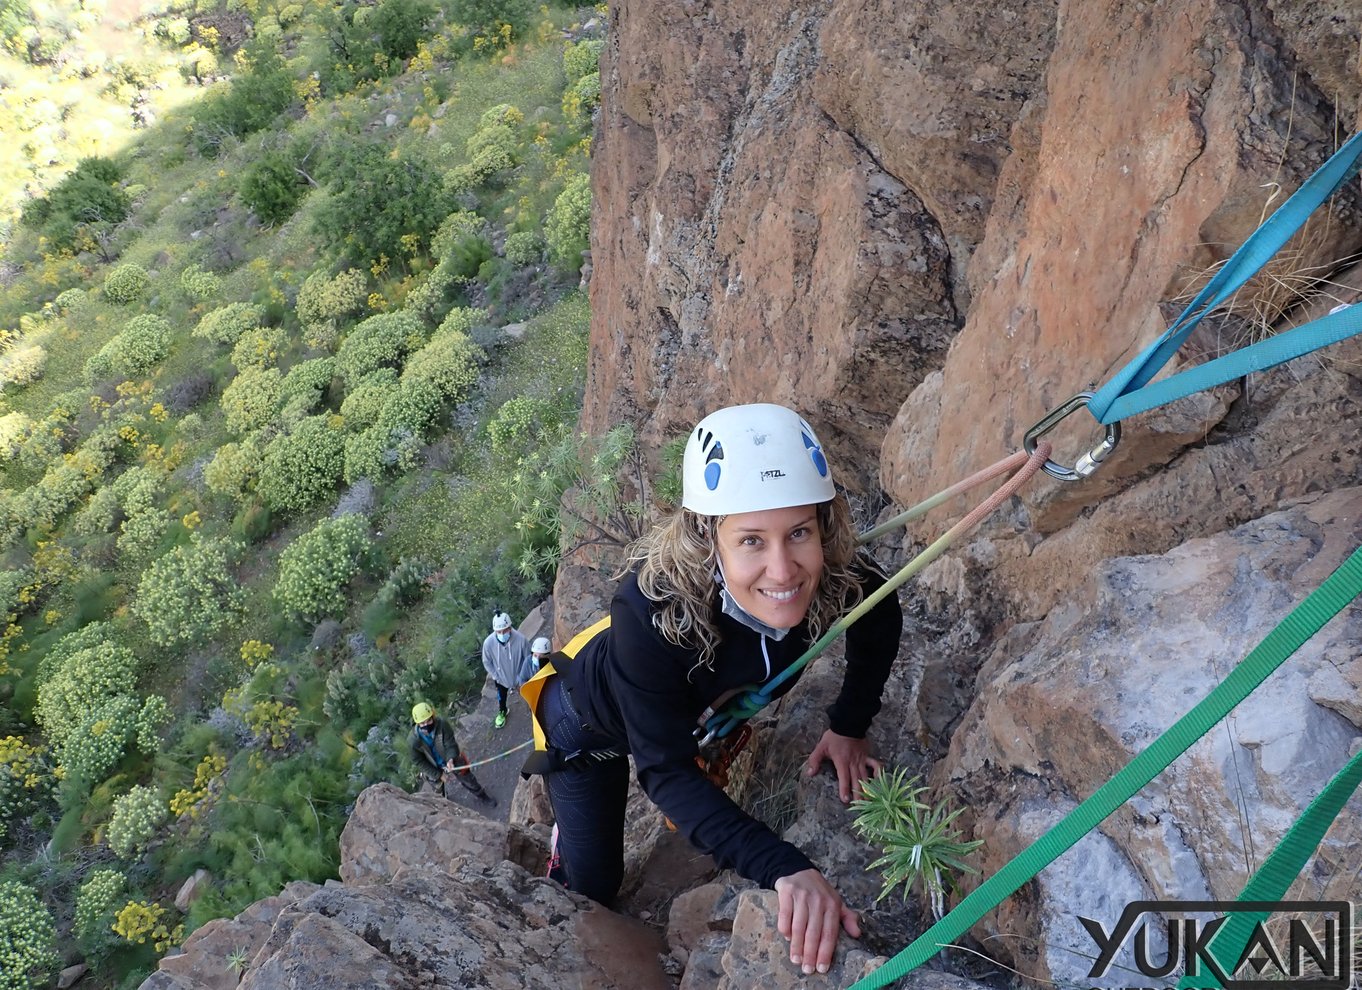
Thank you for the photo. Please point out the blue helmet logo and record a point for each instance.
(815, 454)
(712, 465)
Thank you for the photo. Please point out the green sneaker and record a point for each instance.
(500, 720)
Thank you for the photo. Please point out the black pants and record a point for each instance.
(588, 800)
(502, 691)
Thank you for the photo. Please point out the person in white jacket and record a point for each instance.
(504, 654)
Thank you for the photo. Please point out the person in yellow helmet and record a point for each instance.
(437, 756)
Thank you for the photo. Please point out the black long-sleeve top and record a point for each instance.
(632, 685)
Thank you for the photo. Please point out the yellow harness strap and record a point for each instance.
(534, 687)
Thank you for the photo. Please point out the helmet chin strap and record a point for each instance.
(733, 610)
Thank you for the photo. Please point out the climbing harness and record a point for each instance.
(1304, 621)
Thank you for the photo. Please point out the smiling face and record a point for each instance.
(772, 562)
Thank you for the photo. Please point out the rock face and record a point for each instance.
(1132, 650)
(926, 225)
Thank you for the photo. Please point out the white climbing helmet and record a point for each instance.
(752, 458)
(541, 645)
(501, 622)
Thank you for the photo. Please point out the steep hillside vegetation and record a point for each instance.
(265, 432)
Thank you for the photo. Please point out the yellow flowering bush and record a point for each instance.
(26, 781)
(154, 716)
(272, 722)
(259, 348)
(141, 922)
(379, 341)
(199, 285)
(191, 800)
(253, 651)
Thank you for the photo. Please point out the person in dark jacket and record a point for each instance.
(437, 756)
(725, 595)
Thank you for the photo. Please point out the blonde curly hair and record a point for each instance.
(677, 560)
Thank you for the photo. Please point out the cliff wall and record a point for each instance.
(925, 225)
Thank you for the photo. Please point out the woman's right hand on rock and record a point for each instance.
(811, 915)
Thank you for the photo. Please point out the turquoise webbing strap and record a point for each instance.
(1125, 394)
(1304, 621)
(1279, 872)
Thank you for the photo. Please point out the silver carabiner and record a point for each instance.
(1087, 463)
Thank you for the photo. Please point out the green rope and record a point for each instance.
(1305, 620)
(1279, 871)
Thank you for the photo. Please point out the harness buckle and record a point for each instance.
(1086, 463)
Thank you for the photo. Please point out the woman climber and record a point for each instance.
(723, 596)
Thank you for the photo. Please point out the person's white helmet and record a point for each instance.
(752, 458)
(501, 622)
(541, 645)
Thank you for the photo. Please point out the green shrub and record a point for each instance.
(190, 594)
(71, 301)
(86, 204)
(144, 343)
(89, 671)
(28, 938)
(516, 423)
(380, 341)
(250, 401)
(449, 363)
(315, 568)
(154, 716)
(567, 229)
(376, 201)
(140, 535)
(250, 102)
(524, 247)
(582, 58)
(485, 16)
(366, 400)
(401, 25)
(232, 471)
(308, 380)
(126, 283)
(96, 901)
(26, 782)
(394, 440)
(921, 844)
(325, 303)
(272, 188)
(199, 285)
(22, 365)
(136, 817)
(582, 97)
(431, 297)
(259, 348)
(15, 428)
(301, 468)
(227, 324)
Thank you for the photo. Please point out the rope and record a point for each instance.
(1128, 391)
(744, 706)
(1272, 880)
(1304, 621)
(493, 759)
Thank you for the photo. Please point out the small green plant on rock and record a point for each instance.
(920, 842)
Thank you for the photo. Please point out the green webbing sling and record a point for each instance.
(1305, 620)
(1279, 871)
